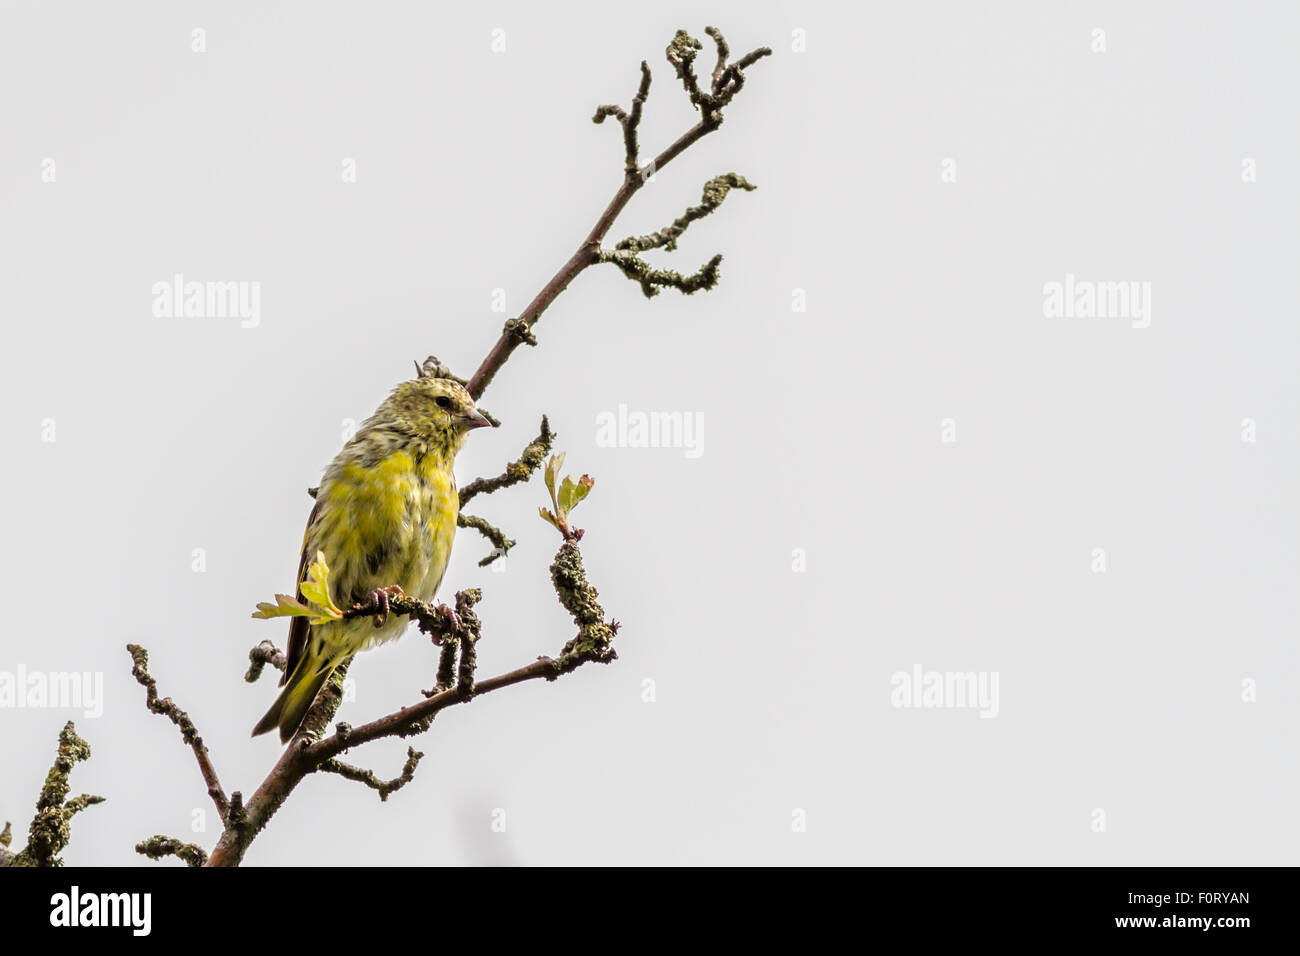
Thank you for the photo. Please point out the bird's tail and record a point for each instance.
(308, 677)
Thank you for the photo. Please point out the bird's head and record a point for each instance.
(437, 409)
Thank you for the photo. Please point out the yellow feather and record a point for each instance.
(386, 515)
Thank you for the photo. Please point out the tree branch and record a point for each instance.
(50, 829)
(728, 78)
(457, 628)
(157, 847)
(517, 471)
(529, 460)
(189, 733)
(457, 631)
(652, 280)
(715, 190)
(367, 777)
(263, 654)
(501, 545)
(629, 121)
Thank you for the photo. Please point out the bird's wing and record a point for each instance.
(299, 629)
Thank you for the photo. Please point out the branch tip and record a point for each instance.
(157, 847)
(189, 733)
(367, 777)
(50, 828)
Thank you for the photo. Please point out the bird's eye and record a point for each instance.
(442, 401)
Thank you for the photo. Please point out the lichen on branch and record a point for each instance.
(456, 631)
(166, 707)
(157, 847)
(715, 190)
(652, 280)
(727, 79)
(367, 777)
(51, 827)
(578, 596)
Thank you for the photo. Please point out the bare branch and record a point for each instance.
(652, 280)
(715, 190)
(727, 82)
(529, 460)
(629, 121)
(189, 733)
(578, 597)
(458, 628)
(500, 543)
(263, 654)
(728, 78)
(517, 471)
(50, 829)
(467, 635)
(157, 847)
(681, 54)
(437, 620)
(724, 53)
(446, 669)
(385, 787)
(431, 367)
(625, 254)
(457, 631)
(326, 704)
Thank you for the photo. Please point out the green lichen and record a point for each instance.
(714, 192)
(159, 846)
(652, 280)
(579, 598)
(51, 826)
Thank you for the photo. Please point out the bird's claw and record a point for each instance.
(379, 599)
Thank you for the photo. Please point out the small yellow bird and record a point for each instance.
(385, 515)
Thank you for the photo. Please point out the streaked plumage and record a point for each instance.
(385, 514)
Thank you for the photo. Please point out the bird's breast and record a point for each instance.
(389, 521)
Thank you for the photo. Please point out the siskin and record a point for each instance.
(385, 515)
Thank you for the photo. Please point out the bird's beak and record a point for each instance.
(472, 419)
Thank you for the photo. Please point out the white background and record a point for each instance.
(476, 171)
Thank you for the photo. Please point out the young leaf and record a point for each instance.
(567, 496)
(316, 586)
(583, 488)
(552, 473)
(545, 514)
(284, 606)
(318, 609)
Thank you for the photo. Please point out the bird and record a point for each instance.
(384, 519)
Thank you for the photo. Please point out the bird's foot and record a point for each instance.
(379, 599)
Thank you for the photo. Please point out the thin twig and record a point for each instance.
(50, 828)
(457, 630)
(385, 787)
(629, 121)
(715, 190)
(157, 847)
(189, 733)
(467, 636)
(263, 654)
(521, 469)
(460, 627)
(730, 79)
(501, 545)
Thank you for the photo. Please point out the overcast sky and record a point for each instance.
(997, 394)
